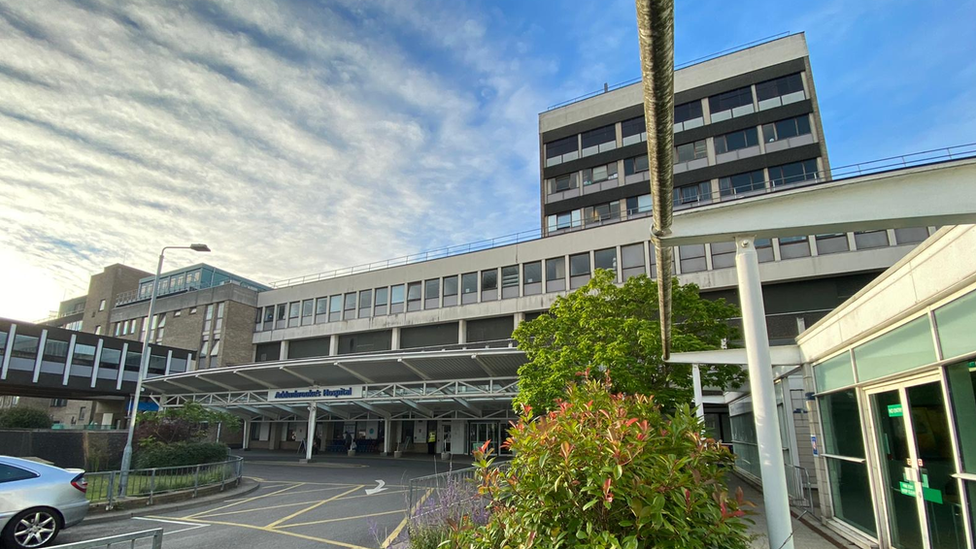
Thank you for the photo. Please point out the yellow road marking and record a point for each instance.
(283, 505)
(244, 501)
(339, 519)
(396, 531)
(310, 507)
(276, 531)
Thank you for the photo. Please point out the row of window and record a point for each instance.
(171, 284)
(546, 276)
(746, 140)
(722, 106)
(54, 358)
(733, 186)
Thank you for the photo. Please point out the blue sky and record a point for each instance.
(303, 136)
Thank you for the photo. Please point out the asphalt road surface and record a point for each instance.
(297, 506)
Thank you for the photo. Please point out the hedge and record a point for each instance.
(180, 454)
(25, 417)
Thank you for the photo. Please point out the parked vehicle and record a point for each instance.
(37, 501)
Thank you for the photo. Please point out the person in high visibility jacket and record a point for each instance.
(432, 441)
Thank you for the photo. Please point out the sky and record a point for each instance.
(299, 136)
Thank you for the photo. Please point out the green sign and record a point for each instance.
(907, 488)
(894, 410)
(933, 495)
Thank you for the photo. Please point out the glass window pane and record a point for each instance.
(432, 288)
(413, 291)
(841, 419)
(605, 259)
(396, 294)
(306, 307)
(957, 326)
(365, 299)
(489, 280)
(834, 373)
(510, 276)
(533, 272)
(25, 346)
(899, 350)
(579, 264)
(555, 268)
(381, 295)
(962, 391)
(469, 283)
(851, 494)
(450, 285)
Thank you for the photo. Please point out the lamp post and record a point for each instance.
(144, 365)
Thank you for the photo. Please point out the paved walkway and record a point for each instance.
(803, 536)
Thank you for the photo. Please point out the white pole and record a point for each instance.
(699, 399)
(143, 367)
(388, 437)
(310, 432)
(775, 496)
(247, 434)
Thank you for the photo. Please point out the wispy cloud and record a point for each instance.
(290, 137)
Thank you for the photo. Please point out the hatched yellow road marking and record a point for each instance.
(275, 531)
(245, 501)
(283, 505)
(340, 519)
(310, 507)
(403, 523)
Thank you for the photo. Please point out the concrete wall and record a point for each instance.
(89, 450)
(107, 285)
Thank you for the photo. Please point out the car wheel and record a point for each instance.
(31, 529)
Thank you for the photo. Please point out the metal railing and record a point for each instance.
(799, 488)
(443, 489)
(921, 158)
(679, 66)
(155, 536)
(149, 483)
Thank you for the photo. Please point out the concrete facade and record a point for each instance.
(103, 289)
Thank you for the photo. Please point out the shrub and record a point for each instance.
(178, 454)
(606, 470)
(25, 417)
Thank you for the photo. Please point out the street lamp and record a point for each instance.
(144, 364)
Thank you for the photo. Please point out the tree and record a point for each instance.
(605, 328)
(189, 422)
(25, 417)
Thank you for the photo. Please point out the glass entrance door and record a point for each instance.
(917, 465)
(479, 433)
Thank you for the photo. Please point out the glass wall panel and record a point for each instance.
(962, 393)
(841, 424)
(834, 373)
(957, 326)
(899, 350)
(851, 494)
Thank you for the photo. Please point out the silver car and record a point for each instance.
(37, 501)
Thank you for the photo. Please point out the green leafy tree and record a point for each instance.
(25, 417)
(608, 329)
(606, 471)
(190, 422)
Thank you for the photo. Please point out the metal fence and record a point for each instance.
(104, 486)
(799, 488)
(444, 489)
(154, 536)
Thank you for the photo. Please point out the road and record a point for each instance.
(297, 506)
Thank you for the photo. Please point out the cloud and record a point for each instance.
(292, 138)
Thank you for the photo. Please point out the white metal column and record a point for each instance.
(247, 434)
(775, 496)
(387, 436)
(699, 399)
(310, 432)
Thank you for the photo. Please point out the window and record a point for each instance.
(159, 328)
(693, 194)
(832, 243)
(638, 204)
(281, 313)
(163, 286)
(606, 259)
(469, 288)
(911, 235)
(579, 270)
(688, 115)
(321, 306)
(269, 313)
(178, 281)
(397, 296)
(59, 402)
(532, 272)
(742, 183)
(380, 303)
(562, 150)
(764, 249)
(98, 330)
(489, 285)
(294, 309)
(307, 308)
(335, 308)
(848, 479)
(692, 258)
(871, 239)
(734, 141)
(636, 164)
(599, 140)
(25, 346)
(794, 246)
(632, 260)
(634, 130)
(9, 473)
(118, 328)
(349, 306)
(193, 310)
(365, 302)
(178, 312)
(432, 293)
(563, 183)
(779, 87)
(737, 101)
(690, 151)
(723, 255)
(450, 291)
(564, 220)
(785, 129)
(599, 173)
(595, 215)
(84, 355)
(510, 281)
(101, 305)
(793, 173)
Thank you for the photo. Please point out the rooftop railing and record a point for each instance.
(685, 65)
(910, 160)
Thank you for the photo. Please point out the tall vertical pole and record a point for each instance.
(775, 496)
(143, 367)
(699, 398)
(310, 432)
